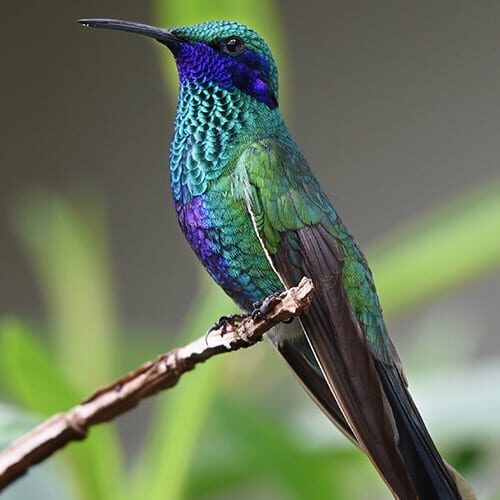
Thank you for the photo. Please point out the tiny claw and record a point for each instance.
(261, 309)
(207, 334)
(257, 314)
(222, 324)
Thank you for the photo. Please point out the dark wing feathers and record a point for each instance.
(299, 356)
(344, 357)
(303, 236)
(371, 393)
(421, 457)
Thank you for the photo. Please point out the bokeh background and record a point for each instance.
(397, 107)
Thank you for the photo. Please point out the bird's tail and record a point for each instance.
(464, 488)
(432, 477)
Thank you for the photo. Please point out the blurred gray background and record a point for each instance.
(395, 104)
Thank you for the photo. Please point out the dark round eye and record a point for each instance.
(233, 46)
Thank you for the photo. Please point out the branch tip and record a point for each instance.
(119, 397)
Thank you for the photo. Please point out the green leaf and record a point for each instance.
(272, 453)
(14, 423)
(440, 251)
(67, 245)
(96, 465)
(31, 377)
(29, 374)
(179, 417)
(215, 479)
(44, 482)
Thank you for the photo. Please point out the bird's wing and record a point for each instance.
(302, 235)
(291, 343)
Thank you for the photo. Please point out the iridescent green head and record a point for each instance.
(223, 53)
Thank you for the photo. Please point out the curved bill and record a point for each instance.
(162, 35)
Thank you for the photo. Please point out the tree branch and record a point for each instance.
(126, 393)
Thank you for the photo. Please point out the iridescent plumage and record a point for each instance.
(254, 213)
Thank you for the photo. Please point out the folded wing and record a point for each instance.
(303, 236)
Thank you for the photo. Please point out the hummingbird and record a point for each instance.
(255, 215)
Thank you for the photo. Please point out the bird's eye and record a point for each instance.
(233, 46)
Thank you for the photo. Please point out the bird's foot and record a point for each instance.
(261, 309)
(223, 324)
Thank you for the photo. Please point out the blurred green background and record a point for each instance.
(397, 108)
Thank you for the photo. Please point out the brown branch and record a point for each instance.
(119, 397)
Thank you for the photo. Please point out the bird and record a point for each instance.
(257, 218)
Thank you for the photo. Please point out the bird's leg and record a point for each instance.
(261, 309)
(223, 323)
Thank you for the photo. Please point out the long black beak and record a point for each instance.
(164, 36)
